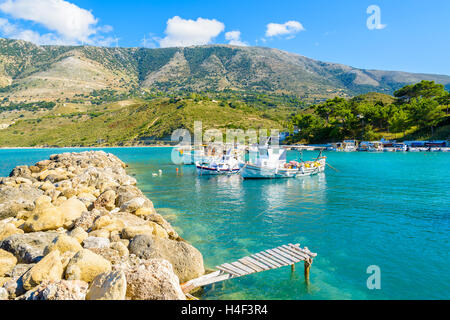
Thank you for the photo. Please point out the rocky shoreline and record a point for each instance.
(76, 227)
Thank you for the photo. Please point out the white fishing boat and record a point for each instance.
(436, 146)
(345, 146)
(350, 145)
(202, 154)
(370, 146)
(388, 146)
(400, 147)
(271, 164)
(227, 164)
(375, 147)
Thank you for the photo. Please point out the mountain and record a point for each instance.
(34, 73)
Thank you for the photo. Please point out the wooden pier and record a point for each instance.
(262, 261)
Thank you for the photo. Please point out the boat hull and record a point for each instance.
(254, 172)
(205, 171)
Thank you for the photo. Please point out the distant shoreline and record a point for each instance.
(108, 147)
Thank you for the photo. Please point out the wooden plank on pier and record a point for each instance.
(294, 252)
(304, 250)
(226, 270)
(262, 261)
(235, 270)
(271, 263)
(250, 264)
(269, 257)
(256, 263)
(243, 267)
(285, 255)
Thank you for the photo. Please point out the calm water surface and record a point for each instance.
(386, 209)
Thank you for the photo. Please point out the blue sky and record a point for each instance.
(415, 37)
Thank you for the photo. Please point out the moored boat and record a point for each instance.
(370, 146)
(227, 164)
(400, 147)
(272, 164)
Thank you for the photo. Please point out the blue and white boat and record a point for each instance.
(227, 164)
(271, 164)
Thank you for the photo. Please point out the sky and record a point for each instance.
(401, 35)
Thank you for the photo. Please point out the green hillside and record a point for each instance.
(130, 124)
(415, 112)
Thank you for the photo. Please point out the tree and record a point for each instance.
(424, 89)
(425, 112)
(444, 100)
(325, 110)
(399, 122)
(308, 124)
(369, 133)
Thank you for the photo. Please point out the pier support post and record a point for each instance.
(307, 267)
(292, 268)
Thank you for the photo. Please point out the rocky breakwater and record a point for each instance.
(76, 227)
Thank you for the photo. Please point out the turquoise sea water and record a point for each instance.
(386, 209)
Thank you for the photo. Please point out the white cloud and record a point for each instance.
(234, 38)
(13, 31)
(286, 29)
(68, 23)
(151, 41)
(182, 33)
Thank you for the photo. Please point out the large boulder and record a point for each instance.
(108, 223)
(113, 256)
(144, 212)
(79, 234)
(57, 290)
(28, 247)
(121, 248)
(106, 200)
(186, 260)
(153, 280)
(7, 262)
(158, 219)
(127, 193)
(19, 270)
(49, 268)
(134, 225)
(64, 243)
(131, 232)
(96, 242)
(86, 265)
(135, 204)
(86, 220)
(44, 217)
(16, 199)
(22, 172)
(8, 229)
(72, 209)
(108, 286)
(14, 287)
